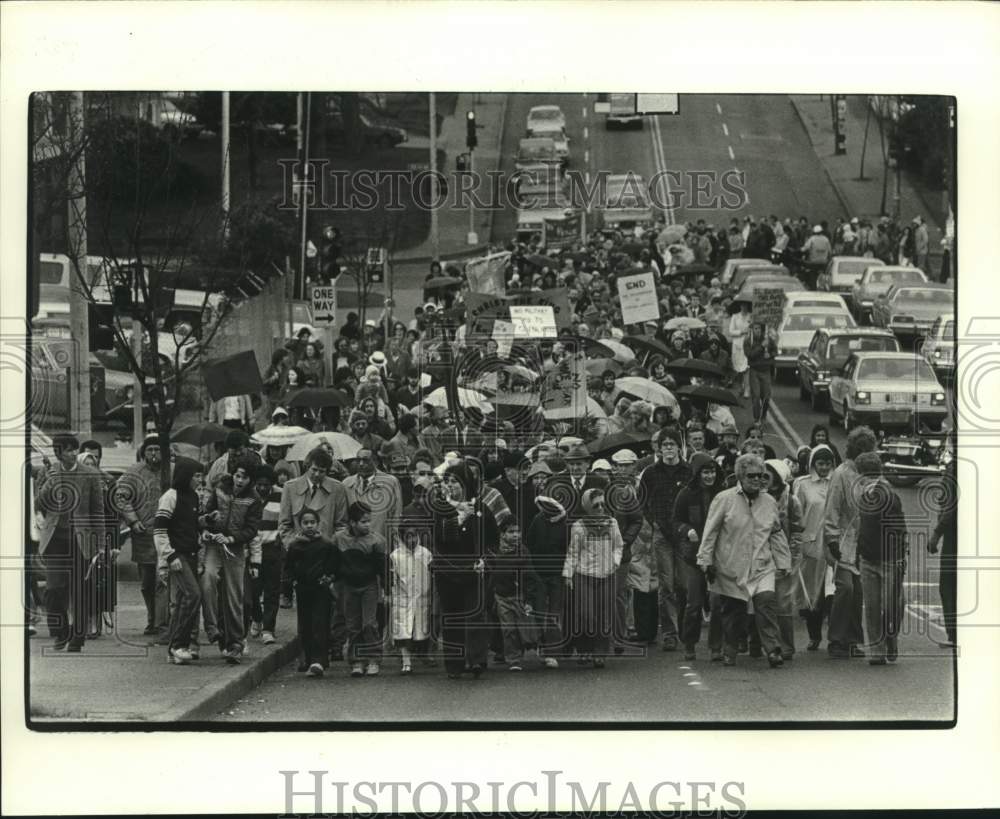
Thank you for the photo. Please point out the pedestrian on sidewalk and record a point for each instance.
(263, 608)
(743, 551)
(177, 534)
(840, 539)
(546, 540)
(312, 562)
(811, 490)
(138, 495)
(882, 547)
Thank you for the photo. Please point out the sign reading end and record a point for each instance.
(324, 305)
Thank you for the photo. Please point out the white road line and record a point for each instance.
(586, 178)
(718, 108)
(731, 154)
(725, 129)
(661, 166)
(784, 429)
(586, 132)
(584, 112)
(586, 156)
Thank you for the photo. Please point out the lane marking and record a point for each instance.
(586, 132)
(718, 108)
(784, 428)
(586, 177)
(725, 129)
(584, 111)
(659, 158)
(586, 158)
(731, 154)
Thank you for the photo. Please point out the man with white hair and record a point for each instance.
(743, 549)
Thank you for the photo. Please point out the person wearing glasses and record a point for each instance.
(743, 551)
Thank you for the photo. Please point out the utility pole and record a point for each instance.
(225, 164)
(471, 141)
(305, 122)
(435, 238)
(899, 156)
(137, 397)
(864, 143)
(79, 303)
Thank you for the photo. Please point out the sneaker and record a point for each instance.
(234, 656)
(892, 649)
(195, 652)
(670, 644)
(774, 659)
(74, 648)
(689, 653)
(551, 662)
(303, 666)
(178, 656)
(256, 629)
(857, 652)
(267, 638)
(315, 670)
(149, 631)
(286, 602)
(372, 670)
(357, 670)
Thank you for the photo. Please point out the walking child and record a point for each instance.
(516, 587)
(410, 598)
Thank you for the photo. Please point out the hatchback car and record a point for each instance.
(876, 281)
(887, 391)
(828, 352)
(843, 272)
(939, 348)
(910, 310)
(549, 121)
(798, 327)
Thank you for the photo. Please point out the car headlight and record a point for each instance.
(862, 397)
(823, 375)
(937, 400)
(947, 457)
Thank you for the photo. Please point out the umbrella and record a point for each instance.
(734, 305)
(713, 395)
(672, 234)
(647, 390)
(594, 410)
(648, 343)
(201, 434)
(590, 346)
(344, 446)
(695, 366)
(279, 435)
(622, 354)
(318, 397)
(466, 397)
(537, 260)
(598, 366)
(610, 444)
(685, 323)
(441, 281)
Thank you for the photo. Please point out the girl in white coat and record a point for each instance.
(410, 598)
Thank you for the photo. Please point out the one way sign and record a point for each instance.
(324, 306)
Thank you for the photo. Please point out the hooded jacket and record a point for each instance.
(811, 491)
(789, 509)
(692, 503)
(546, 541)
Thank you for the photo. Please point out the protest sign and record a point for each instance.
(486, 275)
(236, 374)
(768, 306)
(639, 301)
(561, 233)
(533, 321)
(565, 386)
(503, 335)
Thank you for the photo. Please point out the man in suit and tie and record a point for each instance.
(70, 495)
(568, 487)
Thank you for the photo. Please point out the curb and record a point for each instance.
(225, 692)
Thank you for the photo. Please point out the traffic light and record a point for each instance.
(470, 130)
(329, 253)
(375, 266)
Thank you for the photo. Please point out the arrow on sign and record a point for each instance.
(327, 318)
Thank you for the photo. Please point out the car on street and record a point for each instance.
(549, 121)
(815, 298)
(827, 353)
(553, 206)
(788, 284)
(910, 310)
(843, 272)
(876, 281)
(732, 265)
(626, 204)
(377, 129)
(536, 156)
(766, 270)
(799, 325)
(887, 391)
(939, 347)
(622, 112)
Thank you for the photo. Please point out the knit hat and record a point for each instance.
(781, 468)
(700, 461)
(624, 456)
(868, 463)
(149, 440)
(550, 507)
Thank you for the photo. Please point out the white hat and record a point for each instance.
(600, 463)
(370, 323)
(377, 358)
(781, 468)
(279, 411)
(817, 229)
(855, 221)
(430, 306)
(624, 456)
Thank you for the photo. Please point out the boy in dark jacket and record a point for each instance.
(548, 536)
(515, 587)
(362, 567)
(312, 562)
(882, 547)
(690, 513)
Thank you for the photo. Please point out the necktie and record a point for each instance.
(312, 494)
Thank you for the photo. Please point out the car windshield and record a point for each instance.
(815, 303)
(537, 150)
(896, 369)
(924, 296)
(949, 330)
(851, 270)
(546, 115)
(815, 321)
(840, 349)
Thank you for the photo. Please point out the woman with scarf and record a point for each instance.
(312, 366)
(678, 347)
(592, 558)
(786, 587)
(820, 436)
(816, 587)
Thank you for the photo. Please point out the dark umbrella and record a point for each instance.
(537, 260)
(201, 434)
(695, 366)
(319, 397)
(590, 346)
(734, 305)
(441, 281)
(647, 343)
(610, 444)
(714, 395)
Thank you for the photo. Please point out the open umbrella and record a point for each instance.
(594, 410)
(599, 366)
(319, 397)
(466, 397)
(695, 366)
(713, 395)
(647, 344)
(647, 390)
(734, 305)
(590, 346)
(610, 444)
(201, 434)
(671, 234)
(441, 281)
(279, 435)
(622, 354)
(685, 323)
(344, 446)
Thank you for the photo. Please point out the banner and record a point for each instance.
(768, 306)
(480, 314)
(638, 298)
(557, 299)
(566, 385)
(481, 311)
(236, 374)
(561, 233)
(485, 275)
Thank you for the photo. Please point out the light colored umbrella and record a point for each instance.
(623, 354)
(647, 390)
(466, 397)
(685, 323)
(671, 234)
(594, 410)
(279, 435)
(344, 446)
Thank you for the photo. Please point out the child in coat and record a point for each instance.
(515, 586)
(410, 597)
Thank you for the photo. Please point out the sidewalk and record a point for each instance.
(863, 198)
(121, 678)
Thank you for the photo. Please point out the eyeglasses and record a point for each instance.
(755, 476)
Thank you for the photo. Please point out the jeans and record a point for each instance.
(222, 595)
(734, 622)
(672, 593)
(520, 633)
(697, 595)
(270, 581)
(883, 593)
(464, 635)
(549, 609)
(844, 629)
(312, 612)
(645, 611)
(184, 619)
(66, 589)
(592, 613)
(338, 622)
(760, 393)
(156, 596)
(361, 614)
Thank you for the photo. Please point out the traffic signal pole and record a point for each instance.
(471, 142)
(304, 126)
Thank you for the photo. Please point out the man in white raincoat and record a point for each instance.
(743, 548)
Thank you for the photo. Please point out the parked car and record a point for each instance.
(816, 299)
(377, 129)
(549, 121)
(843, 272)
(828, 352)
(939, 347)
(887, 391)
(799, 325)
(876, 281)
(910, 310)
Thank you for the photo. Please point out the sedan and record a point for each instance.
(798, 327)
(887, 391)
(788, 284)
(828, 352)
(939, 348)
(549, 121)
(748, 272)
(843, 272)
(910, 310)
(732, 265)
(817, 299)
(876, 281)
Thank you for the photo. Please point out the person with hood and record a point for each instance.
(177, 531)
(811, 490)
(743, 551)
(820, 435)
(546, 540)
(786, 588)
(840, 541)
(760, 349)
(618, 417)
(690, 513)
(592, 558)
(715, 353)
(678, 347)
